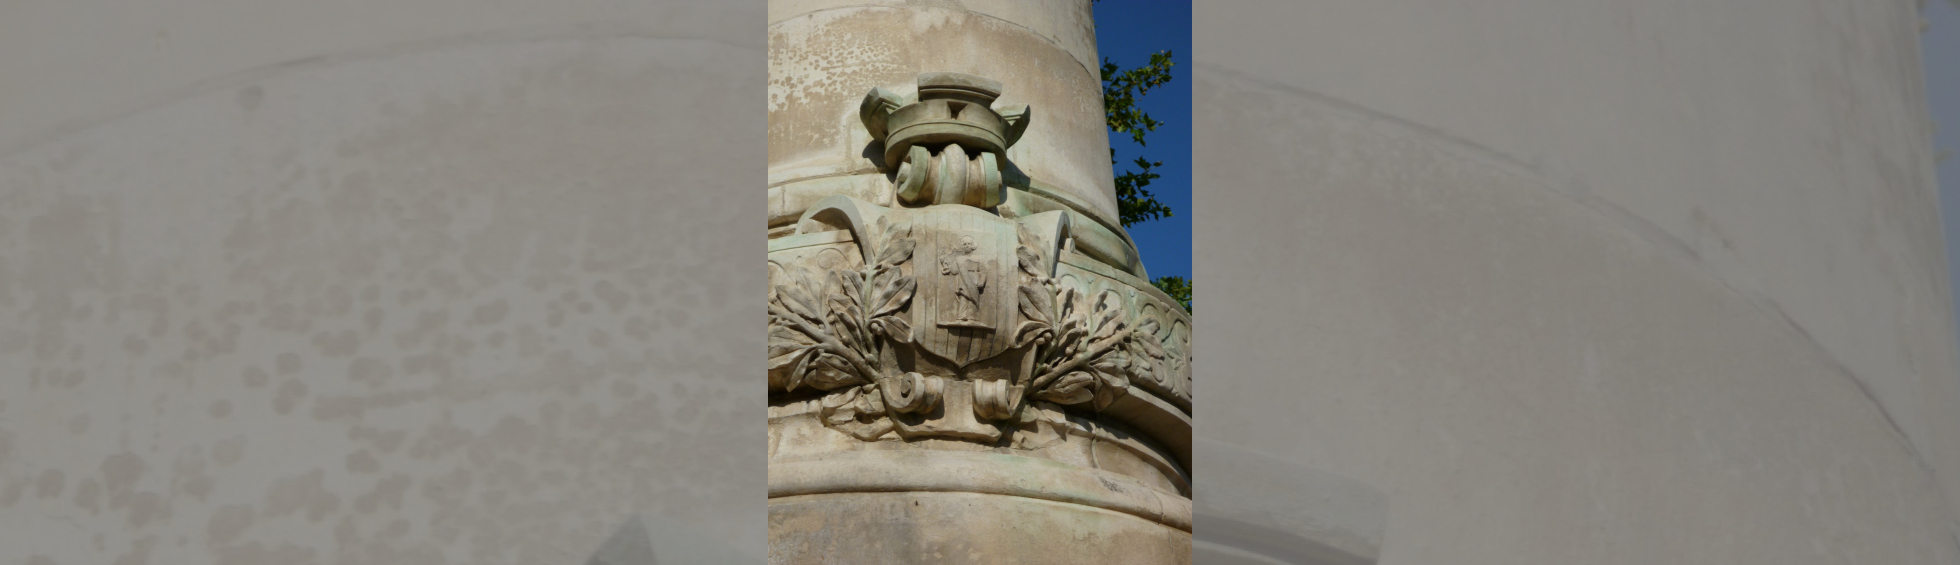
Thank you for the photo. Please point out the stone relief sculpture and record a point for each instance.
(944, 318)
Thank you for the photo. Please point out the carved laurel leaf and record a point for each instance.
(1037, 304)
(1109, 319)
(1072, 338)
(1149, 325)
(1031, 331)
(1110, 366)
(798, 302)
(1110, 388)
(895, 328)
(784, 340)
(1073, 388)
(833, 372)
(844, 285)
(1030, 252)
(780, 361)
(897, 247)
(851, 335)
(1148, 358)
(894, 296)
(1071, 324)
(1145, 370)
(846, 314)
(841, 408)
(1068, 302)
(872, 402)
(796, 295)
(1146, 345)
(1030, 261)
(780, 368)
(802, 369)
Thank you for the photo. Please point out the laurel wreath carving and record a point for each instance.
(829, 340)
(1083, 342)
(835, 336)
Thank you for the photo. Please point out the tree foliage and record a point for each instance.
(1134, 202)
(1121, 88)
(1177, 287)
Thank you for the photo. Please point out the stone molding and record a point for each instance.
(1109, 444)
(980, 473)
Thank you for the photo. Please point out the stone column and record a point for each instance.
(966, 360)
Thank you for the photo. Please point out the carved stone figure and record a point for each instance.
(972, 277)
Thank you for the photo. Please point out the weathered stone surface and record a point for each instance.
(824, 56)
(966, 364)
(906, 528)
(947, 320)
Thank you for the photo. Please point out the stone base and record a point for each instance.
(912, 528)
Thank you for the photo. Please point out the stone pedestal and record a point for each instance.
(966, 361)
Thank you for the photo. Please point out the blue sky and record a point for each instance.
(1127, 33)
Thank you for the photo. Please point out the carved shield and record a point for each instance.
(965, 264)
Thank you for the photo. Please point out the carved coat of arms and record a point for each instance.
(964, 312)
(953, 324)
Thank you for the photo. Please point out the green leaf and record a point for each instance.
(1178, 288)
(1134, 203)
(1121, 89)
